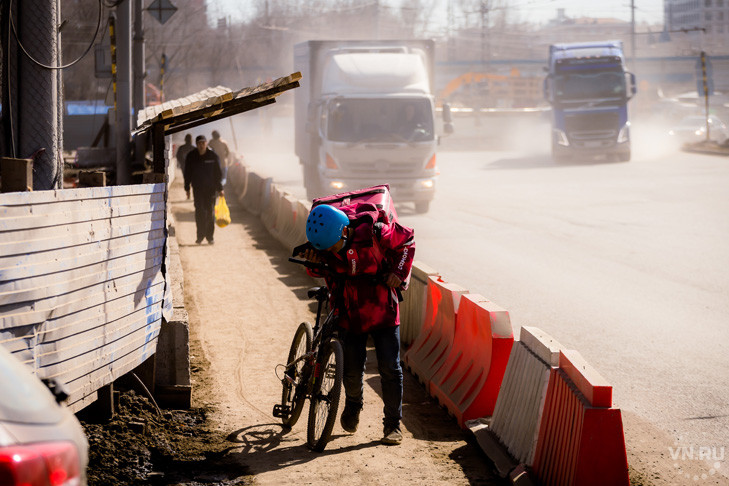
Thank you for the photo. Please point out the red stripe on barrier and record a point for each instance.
(596, 389)
(429, 351)
(469, 381)
(579, 444)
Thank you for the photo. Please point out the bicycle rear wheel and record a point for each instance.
(294, 390)
(325, 397)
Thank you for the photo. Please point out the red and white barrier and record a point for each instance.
(429, 351)
(518, 410)
(469, 381)
(413, 307)
(581, 439)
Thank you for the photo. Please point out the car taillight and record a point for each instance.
(43, 464)
(331, 164)
(431, 163)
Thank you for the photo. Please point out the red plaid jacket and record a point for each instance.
(377, 247)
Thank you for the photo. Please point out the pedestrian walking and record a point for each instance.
(182, 152)
(220, 147)
(203, 174)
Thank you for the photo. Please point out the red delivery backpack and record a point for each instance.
(377, 195)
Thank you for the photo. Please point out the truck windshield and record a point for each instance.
(380, 120)
(589, 85)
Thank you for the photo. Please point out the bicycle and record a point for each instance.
(314, 369)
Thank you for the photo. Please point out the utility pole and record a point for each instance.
(485, 41)
(35, 100)
(124, 91)
(138, 91)
(632, 31)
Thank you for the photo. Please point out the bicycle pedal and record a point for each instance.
(281, 411)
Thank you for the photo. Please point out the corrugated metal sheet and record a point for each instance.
(81, 284)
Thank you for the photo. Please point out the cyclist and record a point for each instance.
(358, 240)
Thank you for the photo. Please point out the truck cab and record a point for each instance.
(589, 88)
(367, 117)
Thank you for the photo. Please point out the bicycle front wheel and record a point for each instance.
(325, 397)
(294, 383)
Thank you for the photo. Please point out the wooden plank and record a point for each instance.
(38, 288)
(102, 356)
(99, 213)
(40, 197)
(28, 241)
(80, 344)
(78, 194)
(57, 260)
(28, 313)
(79, 371)
(58, 328)
(55, 207)
(80, 396)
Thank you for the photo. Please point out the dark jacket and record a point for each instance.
(203, 172)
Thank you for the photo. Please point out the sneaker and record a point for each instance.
(197, 242)
(392, 436)
(350, 418)
(211, 241)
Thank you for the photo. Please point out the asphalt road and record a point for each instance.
(625, 262)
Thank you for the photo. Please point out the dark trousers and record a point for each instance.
(204, 217)
(387, 348)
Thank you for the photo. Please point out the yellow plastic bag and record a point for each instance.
(222, 213)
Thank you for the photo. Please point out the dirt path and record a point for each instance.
(245, 300)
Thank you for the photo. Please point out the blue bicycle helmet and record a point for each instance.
(324, 226)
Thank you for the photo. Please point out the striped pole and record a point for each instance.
(162, 78)
(706, 91)
(112, 40)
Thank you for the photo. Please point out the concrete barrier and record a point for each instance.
(581, 439)
(415, 298)
(511, 437)
(469, 381)
(253, 198)
(429, 351)
(287, 218)
(238, 177)
(270, 212)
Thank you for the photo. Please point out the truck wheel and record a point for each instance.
(624, 156)
(422, 207)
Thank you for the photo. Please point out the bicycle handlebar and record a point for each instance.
(376, 279)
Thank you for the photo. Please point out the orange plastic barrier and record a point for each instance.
(468, 383)
(581, 439)
(430, 349)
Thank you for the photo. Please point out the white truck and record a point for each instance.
(365, 115)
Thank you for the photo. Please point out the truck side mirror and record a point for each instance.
(447, 119)
(547, 88)
(630, 78)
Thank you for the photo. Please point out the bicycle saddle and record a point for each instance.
(321, 293)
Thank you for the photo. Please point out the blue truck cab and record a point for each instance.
(588, 88)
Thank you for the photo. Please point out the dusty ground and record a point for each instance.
(245, 300)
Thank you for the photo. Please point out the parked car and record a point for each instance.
(41, 442)
(692, 129)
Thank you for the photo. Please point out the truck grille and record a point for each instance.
(382, 167)
(584, 126)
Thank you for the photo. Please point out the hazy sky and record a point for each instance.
(537, 11)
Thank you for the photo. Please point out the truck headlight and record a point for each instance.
(337, 185)
(624, 134)
(561, 138)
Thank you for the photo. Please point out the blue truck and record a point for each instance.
(588, 88)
